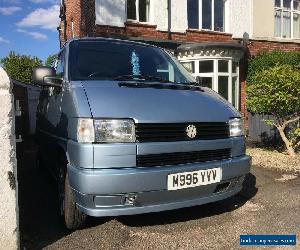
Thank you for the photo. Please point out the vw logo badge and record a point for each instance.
(191, 131)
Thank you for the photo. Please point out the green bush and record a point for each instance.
(50, 60)
(19, 67)
(265, 60)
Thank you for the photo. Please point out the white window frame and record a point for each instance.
(215, 75)
(137, 14)
(212, 16)
(292, 12)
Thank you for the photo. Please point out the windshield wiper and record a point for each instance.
(171, 85)
(140, 78)
(160, 86)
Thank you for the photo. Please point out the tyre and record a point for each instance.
(249, 186)
(72, 217)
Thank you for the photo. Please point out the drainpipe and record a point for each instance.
(72, 27)
(169, 20)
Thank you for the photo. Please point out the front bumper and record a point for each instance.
(105, 192)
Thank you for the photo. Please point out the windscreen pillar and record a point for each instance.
(9, 231)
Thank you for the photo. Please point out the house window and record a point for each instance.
(138, 10)
(287, 18)
(221, 75)
(206, 14)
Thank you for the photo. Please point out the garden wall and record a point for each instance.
(9, 232)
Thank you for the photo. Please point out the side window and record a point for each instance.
(60, 65)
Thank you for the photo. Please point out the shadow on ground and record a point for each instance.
(41, 225)
(39, 219)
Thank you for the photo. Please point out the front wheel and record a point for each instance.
(73, 217)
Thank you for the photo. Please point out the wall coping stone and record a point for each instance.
(4, 80)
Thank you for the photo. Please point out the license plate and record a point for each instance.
(194, 179)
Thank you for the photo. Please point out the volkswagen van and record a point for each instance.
(125, 129)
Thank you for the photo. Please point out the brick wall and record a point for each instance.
(88, 18)
(259, 45)
(72, 16)
(150, 31)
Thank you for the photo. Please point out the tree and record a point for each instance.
(276, 91)
(50, 60)
(19, 67)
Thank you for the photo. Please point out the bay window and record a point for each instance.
(221, 75)
(138, 10)
(206, 14)
(287, 19)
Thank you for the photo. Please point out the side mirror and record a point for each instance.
(45, 76)
(53, 81)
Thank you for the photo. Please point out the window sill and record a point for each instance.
(139, 24)
(277, 39)
(209, 32)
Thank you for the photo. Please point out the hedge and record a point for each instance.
(265, 60)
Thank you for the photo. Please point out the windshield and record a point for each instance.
(113, 60)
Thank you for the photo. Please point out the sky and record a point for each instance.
(29, 27)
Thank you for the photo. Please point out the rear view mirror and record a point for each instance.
(39, 73)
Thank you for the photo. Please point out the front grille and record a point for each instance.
(165, 132)
(165, 159)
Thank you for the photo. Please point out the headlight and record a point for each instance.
(236, 127)
(114, 130)
(85, 130)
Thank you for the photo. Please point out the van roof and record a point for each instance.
(108, 40)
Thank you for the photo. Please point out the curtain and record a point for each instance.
(277, 23)
(296, 25)
(286, 24)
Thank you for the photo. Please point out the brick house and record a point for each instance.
(212, 38)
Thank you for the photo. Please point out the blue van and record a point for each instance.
(124, 129)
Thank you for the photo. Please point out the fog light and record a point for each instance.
(222, 187)
(130, 199)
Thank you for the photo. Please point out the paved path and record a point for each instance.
(270, 207)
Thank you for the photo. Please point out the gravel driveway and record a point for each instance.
(270, 205)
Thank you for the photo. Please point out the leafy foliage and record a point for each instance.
(294, 136)
(267, 60)
(276, 91)
(50, 60)
(19, 67)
